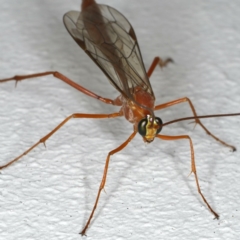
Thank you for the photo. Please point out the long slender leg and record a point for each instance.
(161, 63)
(44, 139)
(193, 166)
(123, 145)
(158, 61)
(64, 79)
(185, 99)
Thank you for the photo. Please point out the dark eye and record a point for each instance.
(159, 122)
(142, 127)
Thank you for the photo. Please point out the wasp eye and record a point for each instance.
(142, 127)
(159, 122)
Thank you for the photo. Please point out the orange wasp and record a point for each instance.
(109, 40)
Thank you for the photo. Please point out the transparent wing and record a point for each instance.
(110, 41)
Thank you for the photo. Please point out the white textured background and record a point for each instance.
(50, 192)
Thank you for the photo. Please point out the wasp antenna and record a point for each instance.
(198, 117)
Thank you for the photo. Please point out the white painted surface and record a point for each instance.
(50, 192)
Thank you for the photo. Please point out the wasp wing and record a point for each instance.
(110, 41)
